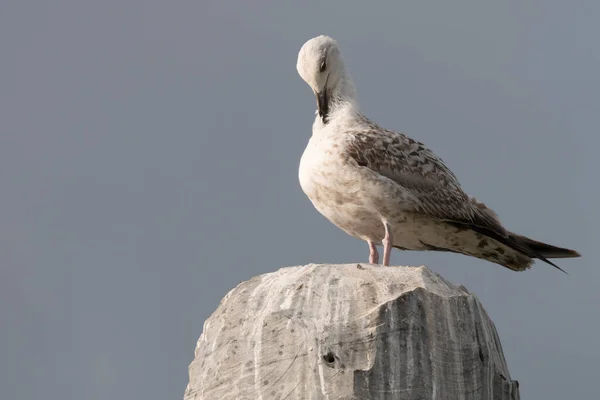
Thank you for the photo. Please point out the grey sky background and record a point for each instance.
(149, 154)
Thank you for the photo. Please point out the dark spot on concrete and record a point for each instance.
(265, 383)
(300, 286)
(329, 358)
(359, 266)
(280, 352)
(292, 330)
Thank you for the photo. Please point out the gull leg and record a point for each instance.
(387, 244)
(373, 254)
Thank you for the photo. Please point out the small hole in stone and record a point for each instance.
(329, 358)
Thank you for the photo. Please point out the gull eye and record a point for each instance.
(323, 66)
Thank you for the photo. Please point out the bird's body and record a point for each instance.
(386, 188)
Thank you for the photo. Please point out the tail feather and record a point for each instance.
(529, 247)
(547, 250)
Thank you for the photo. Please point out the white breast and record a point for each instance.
(310, 163)
(321, 167)
(332, 184)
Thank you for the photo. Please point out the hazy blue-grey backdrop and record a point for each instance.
(148, 164)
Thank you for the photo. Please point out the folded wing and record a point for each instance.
(435, 189)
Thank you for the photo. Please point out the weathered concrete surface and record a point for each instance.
(354, 331)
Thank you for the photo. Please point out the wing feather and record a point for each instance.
(411, 164)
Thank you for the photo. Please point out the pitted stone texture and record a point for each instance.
(354, 331)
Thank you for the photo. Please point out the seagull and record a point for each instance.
(387, 189)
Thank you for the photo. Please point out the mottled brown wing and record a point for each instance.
(410, 164)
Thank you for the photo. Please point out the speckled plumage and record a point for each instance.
(361, 176)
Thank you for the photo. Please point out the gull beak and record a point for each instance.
(323, 104)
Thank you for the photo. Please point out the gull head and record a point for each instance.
(321, 65)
